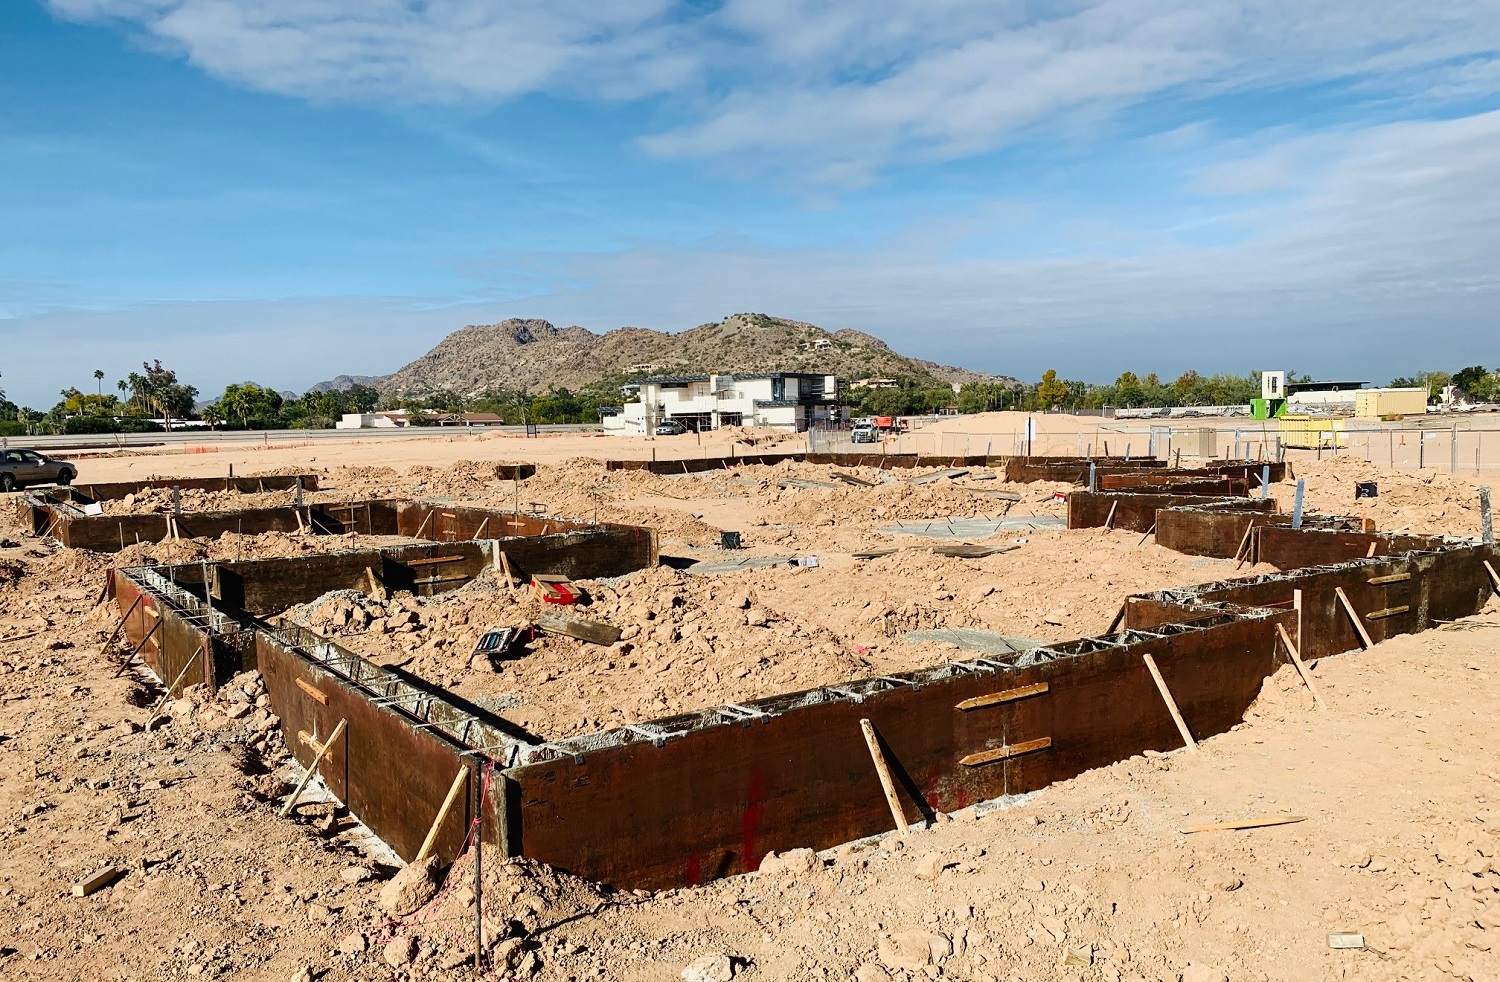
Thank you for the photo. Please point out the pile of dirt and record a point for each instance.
(691, 642)
(1408, 501)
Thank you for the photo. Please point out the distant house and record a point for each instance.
(392, 419)
(1307, 395)
(470, 419)
(821, 344)
(876, 383)
(785, 400)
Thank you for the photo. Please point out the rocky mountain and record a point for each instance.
(535, 356)
(343, 383)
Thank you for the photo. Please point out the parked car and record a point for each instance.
(669, 427)
(864, 432)
(19, 468)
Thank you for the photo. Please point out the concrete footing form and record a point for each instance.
(678, 801)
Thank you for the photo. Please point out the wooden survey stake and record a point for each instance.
(1166, 696)
(884, 773)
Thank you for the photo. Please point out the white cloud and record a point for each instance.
(832, 89)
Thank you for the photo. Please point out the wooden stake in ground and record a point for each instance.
(1166, 695)
(377, 591)
(1109, 523)
(1493, 575)
(1302, 669)
(291, 802)
(437, 823)
(884, 773)
(1241, 552)
(505, 566)
(118, 627)
(1249, 823)
(1359, 625)
(175, 682)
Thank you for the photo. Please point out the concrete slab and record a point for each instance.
(747, 562)
(973, 528)
(975, 639)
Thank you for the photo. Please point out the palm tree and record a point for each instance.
(99, 382)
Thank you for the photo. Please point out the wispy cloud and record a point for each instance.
(1376, 259)
(828, 90)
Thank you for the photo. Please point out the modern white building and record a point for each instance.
(785, 400)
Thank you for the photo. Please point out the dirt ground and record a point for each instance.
(1396, 782)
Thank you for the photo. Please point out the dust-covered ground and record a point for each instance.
(1396, 781)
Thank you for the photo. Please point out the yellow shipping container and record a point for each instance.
(1300, 431)
(1376, 403)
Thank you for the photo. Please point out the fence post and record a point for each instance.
(1453, 451)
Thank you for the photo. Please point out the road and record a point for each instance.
(110, 441)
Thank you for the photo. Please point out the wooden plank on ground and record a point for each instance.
(1249, 823)
(577, 627)
(966, 551)
(97, 881)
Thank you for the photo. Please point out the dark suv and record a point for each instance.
(19, 468)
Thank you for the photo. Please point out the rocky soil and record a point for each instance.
(1088, 879)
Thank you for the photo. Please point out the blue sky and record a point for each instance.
(284, 190)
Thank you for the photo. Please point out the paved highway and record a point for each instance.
(112, 441)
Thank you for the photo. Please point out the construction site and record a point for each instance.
(562, 708)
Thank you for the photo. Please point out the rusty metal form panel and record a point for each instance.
(1073, 470)
(1215, 532)
(111, 491)
(190, 641)
(699, 464)
(388, 773)
(132, 600)
(403, 744)
(1327, 628)
(1448, 584)
(1289, 548)
(1102, 705)
(31, 514)
(266, 586)
(1150, 611)
(769, 776)
(1225, 486)
(1136, 511)
(713, 800)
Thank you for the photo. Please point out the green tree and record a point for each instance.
(249, 404)
(1471, 379)
(1051, 392)
(156, 391)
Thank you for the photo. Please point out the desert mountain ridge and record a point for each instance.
(534, 356)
